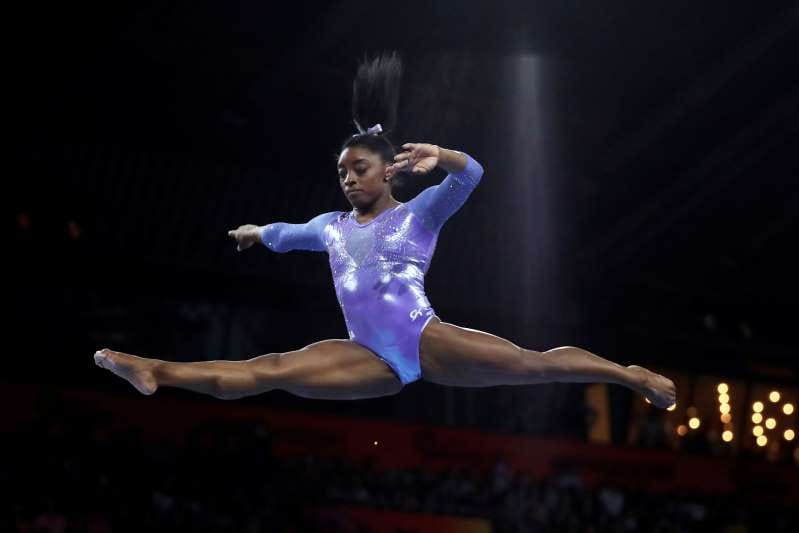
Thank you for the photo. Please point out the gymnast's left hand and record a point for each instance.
(418, 158)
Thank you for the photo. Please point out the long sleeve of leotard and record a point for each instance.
(283, 237)
(436, 204)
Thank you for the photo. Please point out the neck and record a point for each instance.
(380, 205)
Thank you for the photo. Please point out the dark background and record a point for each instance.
(639, 198)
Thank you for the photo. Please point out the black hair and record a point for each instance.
(375, 98)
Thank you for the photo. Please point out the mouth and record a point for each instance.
(353, 191)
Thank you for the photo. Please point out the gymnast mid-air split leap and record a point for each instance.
(379, 253)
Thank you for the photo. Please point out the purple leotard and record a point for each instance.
(378, 267)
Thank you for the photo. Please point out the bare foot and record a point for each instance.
(138, 371)
(658, 389)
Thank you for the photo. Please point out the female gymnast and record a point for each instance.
(379, 253)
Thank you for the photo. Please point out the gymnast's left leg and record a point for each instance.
(464, 357)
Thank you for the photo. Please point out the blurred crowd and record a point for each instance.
(82, 475)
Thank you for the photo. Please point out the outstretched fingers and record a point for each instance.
(234, 234)
(415, 159)
(414, 153)
(401, 161)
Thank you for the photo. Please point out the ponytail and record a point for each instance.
(375, 98)
(375, 92)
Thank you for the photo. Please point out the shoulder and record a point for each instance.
(326, 218)
(328, 222)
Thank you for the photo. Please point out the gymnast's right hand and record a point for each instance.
(246, 236)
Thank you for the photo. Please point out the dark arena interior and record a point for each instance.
(639, 200)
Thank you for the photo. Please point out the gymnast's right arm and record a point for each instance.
(283, 237)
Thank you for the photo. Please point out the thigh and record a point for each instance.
(334, 369)
(458, 356)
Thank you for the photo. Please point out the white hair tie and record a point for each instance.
(377, 128)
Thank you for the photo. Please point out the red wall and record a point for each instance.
(402, 445)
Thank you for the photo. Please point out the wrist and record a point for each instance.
(451, 160)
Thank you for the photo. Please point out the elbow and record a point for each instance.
(478, 170)
(270, 237)
(475, 170)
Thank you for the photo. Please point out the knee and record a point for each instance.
(512, 360)
(221, 392)
(248, 377)
(226, 388)
(268, 368)
(543, 365)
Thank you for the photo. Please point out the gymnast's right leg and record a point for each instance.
(334, 369)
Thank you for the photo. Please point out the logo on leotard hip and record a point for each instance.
(416, 313)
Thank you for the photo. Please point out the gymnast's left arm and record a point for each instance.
(452, 161)
(439, 202)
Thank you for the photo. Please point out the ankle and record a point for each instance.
(637, 376)
(158, 371)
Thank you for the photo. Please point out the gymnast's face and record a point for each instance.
(362, 175)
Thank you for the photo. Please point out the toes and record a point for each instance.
(102, 359)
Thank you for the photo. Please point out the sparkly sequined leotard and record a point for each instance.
(378, 267)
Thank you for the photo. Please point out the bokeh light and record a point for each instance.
(757, 407)
(771, 423)
(788, 434)
(682, 429)
(694, 423)
(787, 408)
(724, 408)
(722, 388)
(727, 436)
(757, 431)
(762, 440)
(757, 418)
(691, 411)
(726, 418)
(774, 396)
(724, 398)
(672, 407)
